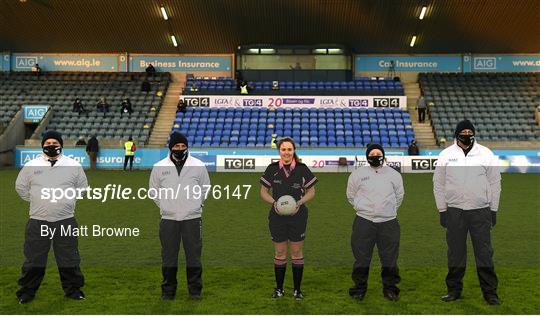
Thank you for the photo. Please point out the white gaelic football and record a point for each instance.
(286, 205)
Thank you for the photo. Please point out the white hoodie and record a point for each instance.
(185, 202)
(467, 182)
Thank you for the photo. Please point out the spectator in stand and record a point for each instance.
(150, 70)
(102, 105)
(145, 86)
(80, 142)
(244, 88)
(37, 70)
(181, 106)
(78, 106)
(92, 149)
(296, 67)
(413, 149)
(421, 106)
(126, 107)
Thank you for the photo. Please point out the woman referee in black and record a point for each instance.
(288, 176)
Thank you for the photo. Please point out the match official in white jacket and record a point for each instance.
(375, 192)
(50, 221)
(187, 179)
(467, 186)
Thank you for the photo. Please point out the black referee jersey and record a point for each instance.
(292, 180)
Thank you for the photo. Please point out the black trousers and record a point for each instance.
(365, 236)
(130, 159)
(36, 250)
(171, 233)
(478, 224)
(421, 114)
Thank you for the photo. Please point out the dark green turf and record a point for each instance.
(123, 274)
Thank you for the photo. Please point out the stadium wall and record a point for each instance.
(253, 160)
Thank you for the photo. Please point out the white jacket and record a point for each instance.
(375, 194)
(182, 201)
(467, 182)
(37, 177)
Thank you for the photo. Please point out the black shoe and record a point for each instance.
(492, 299)
(298, 295)
(25, 298)
(167, 297)
(195, 297)
(278, 293)
(77, 295)
(359, 297)
(450, 297)
(391, 296)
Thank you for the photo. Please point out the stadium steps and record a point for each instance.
(423, 131)
(167, 113)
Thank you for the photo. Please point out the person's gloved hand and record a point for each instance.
(443, 219)
(493, 218)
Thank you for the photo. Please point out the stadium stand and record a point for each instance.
(59, 90)
(320, 128)
(361, 86)
(501, 105)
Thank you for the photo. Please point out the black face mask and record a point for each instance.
(52, 150)
(466, 140)
(179, 154)
(375, 161)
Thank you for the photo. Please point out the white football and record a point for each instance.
(286, 205)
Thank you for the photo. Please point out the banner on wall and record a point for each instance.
(114, 158)
(34, 113)
(5, 64)
(417, 63)
(181, 63)
(508, 63)
(296, 101)
(242, 160)
(64, 62)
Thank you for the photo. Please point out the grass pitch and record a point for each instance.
(123, 274)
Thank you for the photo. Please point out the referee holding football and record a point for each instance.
(181, 214)
(288, 176)
(54, 171)
(375, 192)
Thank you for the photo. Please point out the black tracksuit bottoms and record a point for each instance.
(478, 224)
(171, 233)
(36, 250)
(365, 235)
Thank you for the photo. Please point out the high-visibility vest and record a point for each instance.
(273, 144)
(129, 146)
(244, 89)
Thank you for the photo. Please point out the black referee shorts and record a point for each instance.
(288, 228)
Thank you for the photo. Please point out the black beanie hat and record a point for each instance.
(54, 135)
(465, 124)
(372, 146)
(177, 138)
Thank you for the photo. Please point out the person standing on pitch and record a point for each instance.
(50, 170)
(130, 149)
(375, 192)
(288, 176)
(180, 214)
(467, 187)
